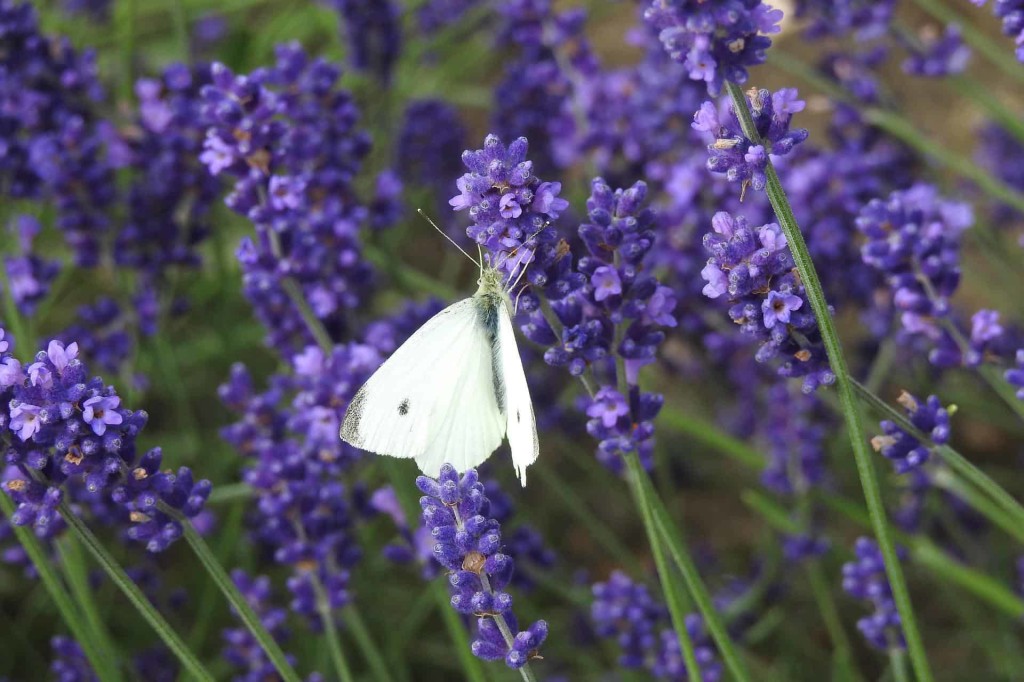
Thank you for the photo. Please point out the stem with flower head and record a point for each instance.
(848, 401)
(957, 462)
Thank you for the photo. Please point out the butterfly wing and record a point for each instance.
(520, 424)
(434, 399)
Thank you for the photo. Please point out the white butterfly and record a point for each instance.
(451, 392)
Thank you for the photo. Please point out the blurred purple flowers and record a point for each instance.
(716, 40)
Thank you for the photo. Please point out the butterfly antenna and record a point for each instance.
(479, 263)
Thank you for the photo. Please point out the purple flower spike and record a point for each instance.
(864, 578)
(906, 452)
(457, 512)
(736, 156)
(716, 40)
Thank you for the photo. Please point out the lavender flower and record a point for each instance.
(534, 96)
(754, 269)
(373, 32)
(865, 19)
(434, 15)
(624, 610)
(69, 661)
(29, 274)
(715, 40)
(469, 545)
(1015, 376)
(914, 241)
(240, 648)
(64, 430)
(905, 451)
(510, 208)
(864, 578)
(430, 141)
(938, 56)
(1012, 14)
(54, 144)
(739, 158)
(795, 431)
(287, 135)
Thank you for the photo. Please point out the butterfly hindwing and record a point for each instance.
(521, 426)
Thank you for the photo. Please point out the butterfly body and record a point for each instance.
(452, 391)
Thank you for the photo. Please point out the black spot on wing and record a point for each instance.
(403, 407)
(518, 418)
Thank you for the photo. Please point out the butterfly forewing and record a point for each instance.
(434, 399)
(520, 422)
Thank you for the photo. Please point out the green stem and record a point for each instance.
(904, 130)
(830, 614)
(118, 576)
(710, 435)
(667, 578)
(957, 462)
(971, 90)
(230, 492)
(848, 402)
(323, 607)
(313, 324)
(898, 663)
(227, 587)
(76, 572)
(684, 562)
(101, 660)
(366, 643)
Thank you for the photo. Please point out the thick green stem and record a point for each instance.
(848, 401)
(367, 645)
(118, 576)
(326, 613)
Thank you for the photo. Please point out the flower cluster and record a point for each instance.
(288, 136)
(510, 209)
(738, 157)
(913, 239)
(1012, 14)
(469, 545)
(905, 451)
(754, 269)
(796, 432)
(29, 274)
(1002, 154)
(70, 438)
(938, 55)
(171, 193)
(373, 32)
(626, 611)
(303, 514)
(864, 578)
(718, 40)
(54, 146)
(434, 15)
(534, 97)
(429, 144)
(865, 19)
(1015, 375)
(240, 646)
